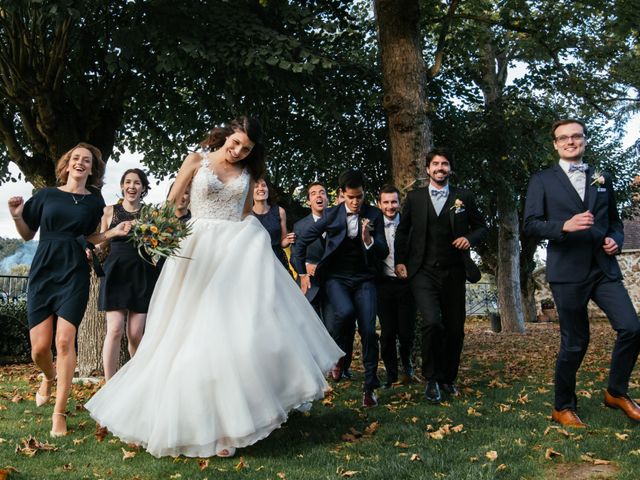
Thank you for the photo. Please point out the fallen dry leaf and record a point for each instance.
(127, 454)
(622, 436)
(31, 446)
(372, 428)
(281, 476)
(203, 463)
(400, 445)
(550, 453)
(491, 455)
(101, 432)
(415, 457)
(240, 465)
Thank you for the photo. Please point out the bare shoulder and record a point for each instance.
(108, 210)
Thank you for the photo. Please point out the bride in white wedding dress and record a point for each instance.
(231, 344)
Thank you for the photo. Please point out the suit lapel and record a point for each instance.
(447, 207)
(590, 191)
(568, 186)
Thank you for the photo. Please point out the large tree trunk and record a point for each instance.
(508, 272)
(528, 248)
(91, 334)
(493, 68)
(404, 83)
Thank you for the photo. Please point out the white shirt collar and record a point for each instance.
(395, 220)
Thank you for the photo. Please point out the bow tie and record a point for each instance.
(437, 193)
(352, 213)
(582, 167)
(389, 224)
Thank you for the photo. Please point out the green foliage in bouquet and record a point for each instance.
(158, 232)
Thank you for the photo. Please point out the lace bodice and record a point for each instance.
(214, 199)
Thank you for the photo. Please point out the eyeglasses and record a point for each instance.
(576, 137)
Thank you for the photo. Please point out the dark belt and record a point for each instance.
(80, 240)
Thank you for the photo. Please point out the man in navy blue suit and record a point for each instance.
(573, 206)
(354, 243)
(318, 202)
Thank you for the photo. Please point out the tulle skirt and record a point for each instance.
(231, 346)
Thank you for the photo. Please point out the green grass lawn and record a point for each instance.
(498, 428)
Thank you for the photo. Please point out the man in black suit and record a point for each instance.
(396, 307)
(438, 226)
(354, 240)
(573, 206)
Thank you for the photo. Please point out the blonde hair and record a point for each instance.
(97, 166)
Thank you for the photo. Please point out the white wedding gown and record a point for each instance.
(231, 345)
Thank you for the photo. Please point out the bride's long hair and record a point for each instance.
(255, 161)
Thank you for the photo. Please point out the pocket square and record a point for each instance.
(600, 189)
(459, 210)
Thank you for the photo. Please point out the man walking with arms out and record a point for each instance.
(573, 206)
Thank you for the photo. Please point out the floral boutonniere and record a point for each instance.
(597, 178)
(458, 205)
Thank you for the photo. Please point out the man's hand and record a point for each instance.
(305, 283)
(461, 243)
(401, 270)
(580, 221)
(610, 246)
(311, 269)
(366, 232)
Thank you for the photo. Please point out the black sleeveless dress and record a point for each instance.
(59, 274)
(271, 222)
(129, 280)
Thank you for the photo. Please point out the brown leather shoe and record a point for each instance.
(336, 371)
(624, 403)
(369, 399)
(567, 418)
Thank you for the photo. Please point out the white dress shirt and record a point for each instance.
(438, 201)
(577, 178)
(390, 227)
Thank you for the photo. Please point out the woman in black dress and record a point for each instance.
(126, 288)
(67, 217)
(274, 219)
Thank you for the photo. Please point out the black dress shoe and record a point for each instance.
(432, 392)
(369, 399)
(450, 389)
(348, 374)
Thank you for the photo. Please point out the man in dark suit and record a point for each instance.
(354, 240)
(318, 202)
(573, 206)
(396, 307)
(438, 226)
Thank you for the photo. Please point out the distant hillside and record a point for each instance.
(8, 246)
(16, 256)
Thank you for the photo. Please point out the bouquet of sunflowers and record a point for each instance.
(157, 232)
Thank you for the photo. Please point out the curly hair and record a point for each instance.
(97, 166)
(255, 161)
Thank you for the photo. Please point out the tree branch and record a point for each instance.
(442, 40)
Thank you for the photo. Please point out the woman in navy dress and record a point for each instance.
(67, 217)
(274, 219)
(126, 288)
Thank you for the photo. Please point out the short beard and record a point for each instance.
(439, 182)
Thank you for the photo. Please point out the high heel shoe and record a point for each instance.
(59, 434)
(42, 399)
(226, 452)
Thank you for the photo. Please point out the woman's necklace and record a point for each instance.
(75, 200)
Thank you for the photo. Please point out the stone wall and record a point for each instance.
(629, 261)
